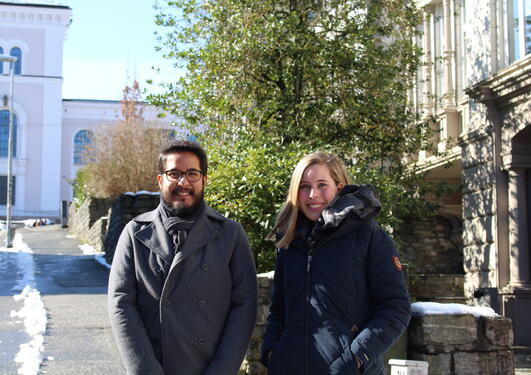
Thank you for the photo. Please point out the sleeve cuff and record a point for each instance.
(361, 355)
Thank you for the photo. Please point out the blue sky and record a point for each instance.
(108, 45)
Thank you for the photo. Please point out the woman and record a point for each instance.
(339, 297)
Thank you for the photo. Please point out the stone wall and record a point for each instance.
(99, 221)
(479, 213)
(429, 239)
(89, 221)
(462, 344)
(125, 208)
(251, 365)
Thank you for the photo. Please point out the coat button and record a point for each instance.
(204, 267)
(201, 303)
(167, 302)
(201, 341)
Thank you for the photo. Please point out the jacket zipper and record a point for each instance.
(307, 315)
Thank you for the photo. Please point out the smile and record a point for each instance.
(182, 193)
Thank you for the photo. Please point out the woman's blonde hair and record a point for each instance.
(286, 222)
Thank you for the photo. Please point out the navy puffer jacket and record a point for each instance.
(338, 293)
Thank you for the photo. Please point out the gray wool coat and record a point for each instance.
(192, 316)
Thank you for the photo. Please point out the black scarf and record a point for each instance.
(177, 227)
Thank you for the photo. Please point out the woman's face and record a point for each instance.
(316, 190)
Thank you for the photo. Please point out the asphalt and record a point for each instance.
(73, 288)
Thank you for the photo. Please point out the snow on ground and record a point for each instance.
(434, 308)
(32, 313)
(269, 275)
(98, 256)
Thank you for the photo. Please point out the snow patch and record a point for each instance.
(33, 313)
(87, 249)
(434, 308)
(269, 275)
(98, 255)
(100, 258)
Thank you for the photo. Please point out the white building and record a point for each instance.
(49, 131)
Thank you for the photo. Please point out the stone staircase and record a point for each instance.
(442, 288)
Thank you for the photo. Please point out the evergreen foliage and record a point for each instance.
(268, 81)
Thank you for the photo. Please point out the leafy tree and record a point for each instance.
(268, 81)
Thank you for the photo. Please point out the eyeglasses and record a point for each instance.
(175, 175)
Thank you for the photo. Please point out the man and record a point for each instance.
(182, 288)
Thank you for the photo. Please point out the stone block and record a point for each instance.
(478, 177)
(475, 363)
(258, 332)
(126, 201)
(478, 204)
(263, 310)
(476, 280)
(252, 368)
(146, 202)
(438, 363)
(479, 258)
(265, 282)
(440, 285)
(442, 333)
(504, 362)
(264, 299)
(478, 231)
(495, 333)
(477, 153)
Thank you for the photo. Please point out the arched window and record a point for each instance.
(16, 52)
(4, 133)
(81, 140)
(1, 62)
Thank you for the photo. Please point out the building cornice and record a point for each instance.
(33, 5)
(504, 87)
(34, 14)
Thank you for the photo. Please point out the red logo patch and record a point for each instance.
(396, 262)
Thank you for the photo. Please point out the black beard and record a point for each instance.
(180, 210)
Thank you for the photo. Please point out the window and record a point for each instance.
(1, 63)
(16, 52)
(3, 190)
(81, 140)
(4, 133)
(519, 28)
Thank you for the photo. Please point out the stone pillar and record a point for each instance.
(449, 95)
(516, 297)
(518, 237)
(428, 63)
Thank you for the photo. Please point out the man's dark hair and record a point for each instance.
(184, 146)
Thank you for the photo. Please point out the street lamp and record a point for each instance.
(9, 233)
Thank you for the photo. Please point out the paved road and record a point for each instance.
(73, 289)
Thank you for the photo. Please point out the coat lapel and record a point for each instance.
(203, 231)
(155, 237)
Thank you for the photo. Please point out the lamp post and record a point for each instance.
(9, 233)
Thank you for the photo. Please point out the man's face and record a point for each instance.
(183, 196)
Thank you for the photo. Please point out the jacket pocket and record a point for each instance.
(344, 362)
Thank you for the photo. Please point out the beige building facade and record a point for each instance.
(476, 81)
(50, 131)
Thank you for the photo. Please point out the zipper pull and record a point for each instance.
(309, 263)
